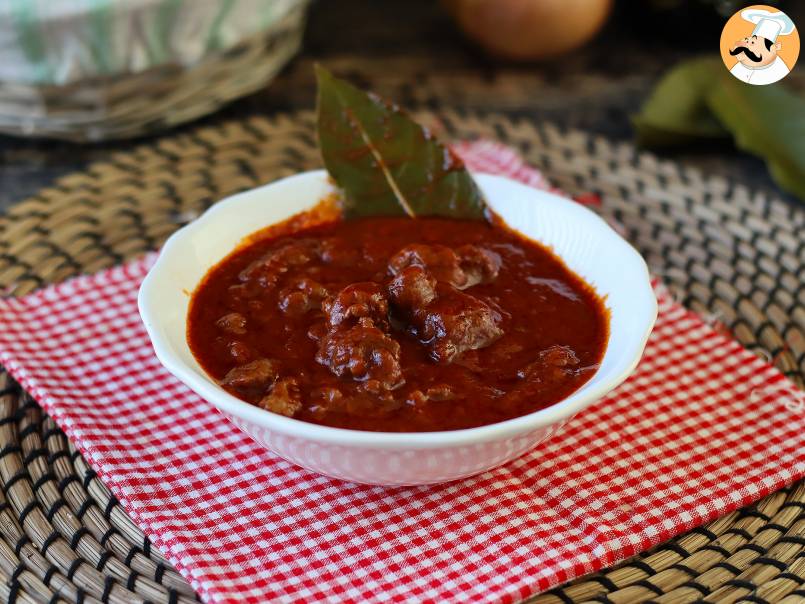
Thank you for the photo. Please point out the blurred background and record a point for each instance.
(76, 83)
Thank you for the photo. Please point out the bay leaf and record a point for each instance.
(384, 161)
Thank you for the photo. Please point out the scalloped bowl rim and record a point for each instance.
(149, 300)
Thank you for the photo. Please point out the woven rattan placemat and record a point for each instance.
(733, 256)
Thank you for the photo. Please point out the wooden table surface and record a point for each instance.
(410, 51)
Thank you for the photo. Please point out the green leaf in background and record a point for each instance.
(699, 100)
(385, 162)
(676, 113)
(768, 121)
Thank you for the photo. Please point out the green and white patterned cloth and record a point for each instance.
(44, 42)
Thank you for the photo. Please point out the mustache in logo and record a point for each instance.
(743, 49)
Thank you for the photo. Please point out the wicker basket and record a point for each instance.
(138, 102)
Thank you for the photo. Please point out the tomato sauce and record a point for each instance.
(396, 324)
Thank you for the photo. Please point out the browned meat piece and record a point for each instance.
(417, 399)
(439, 260)
(370, 404)
(365, 403)
(454, 323)
(440, 392)
(446, 320)
(479, 265)
(327, 394)
(376, 388)
(559, 356)
(239, 352)
(412, 288)
(233, 322)
(268, 269)
(554, 364)
(257, 375)
(284, 398)
(470, 266)
(301, 296)
(552, 367)
(357, 301)
(362, 352)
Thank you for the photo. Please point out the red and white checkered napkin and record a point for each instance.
(702, 428)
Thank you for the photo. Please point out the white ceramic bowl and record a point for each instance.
(583, 240)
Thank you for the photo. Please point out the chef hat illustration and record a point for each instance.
(768, 25)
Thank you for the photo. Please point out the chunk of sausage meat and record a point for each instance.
(362, 352)
(479, 265)
(454, 323)
(439, 260)
(554, 364)
(233, 322)
(285, 398)
(301, 295)
(447, 321)
(468, 266)
(412, 288)
(268, 269)
(357, 344)
(255, 376)
(355, 302)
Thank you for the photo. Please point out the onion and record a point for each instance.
(529, 29)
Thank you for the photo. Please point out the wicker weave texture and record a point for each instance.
(134, 104)
(733, 256)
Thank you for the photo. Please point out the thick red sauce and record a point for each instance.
(489, 327)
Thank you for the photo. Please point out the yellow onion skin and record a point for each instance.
(529, 30)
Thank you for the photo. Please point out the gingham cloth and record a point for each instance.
(702, 428)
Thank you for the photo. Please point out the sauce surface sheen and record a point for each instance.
(274, 324)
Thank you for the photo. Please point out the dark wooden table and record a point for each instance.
(410, 51)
